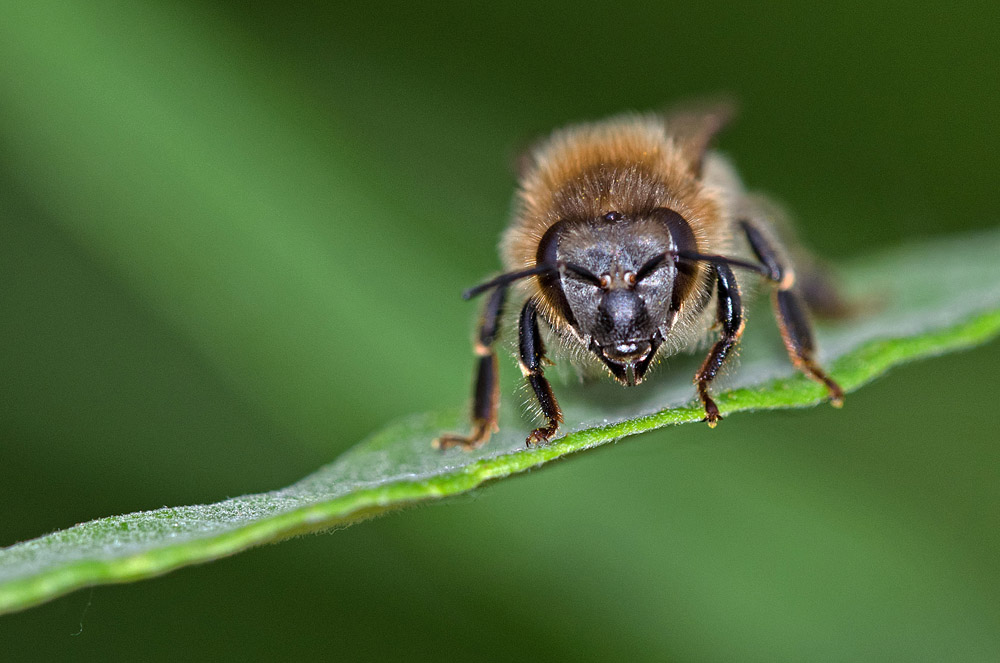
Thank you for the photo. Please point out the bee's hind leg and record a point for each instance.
(789, 309)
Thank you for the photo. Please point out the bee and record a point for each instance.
(630, 241)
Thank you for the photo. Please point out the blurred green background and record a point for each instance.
(232, 240)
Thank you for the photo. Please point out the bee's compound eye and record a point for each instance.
(605, 282)
(612, 217)
(630, 278)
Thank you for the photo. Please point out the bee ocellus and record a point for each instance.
(632, 241)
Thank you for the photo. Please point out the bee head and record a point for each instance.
(615, 284)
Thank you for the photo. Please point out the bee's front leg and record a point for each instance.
(730, 317)
(532, 352)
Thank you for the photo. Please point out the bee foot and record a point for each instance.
(836, 393)
(465, 442)
(541, 435)
(712, 416)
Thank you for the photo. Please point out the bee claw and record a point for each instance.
(466, 443)
(446, 442)
(712, 416)
(836, 393)
(541, 435)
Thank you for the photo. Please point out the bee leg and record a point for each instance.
(532, 353)
(819, 292)
(730, 317)
(486, 389)
(796, 330)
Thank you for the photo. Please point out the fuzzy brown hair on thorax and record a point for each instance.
(630, 164)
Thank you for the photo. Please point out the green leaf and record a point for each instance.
(933, 297)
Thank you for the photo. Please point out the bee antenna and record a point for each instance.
(723, 260)
(507, 279)
(581, 272)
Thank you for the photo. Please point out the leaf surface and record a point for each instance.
(934, 297)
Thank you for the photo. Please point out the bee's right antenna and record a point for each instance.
(507, 279)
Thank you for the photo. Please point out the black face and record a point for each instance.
(617, 284)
